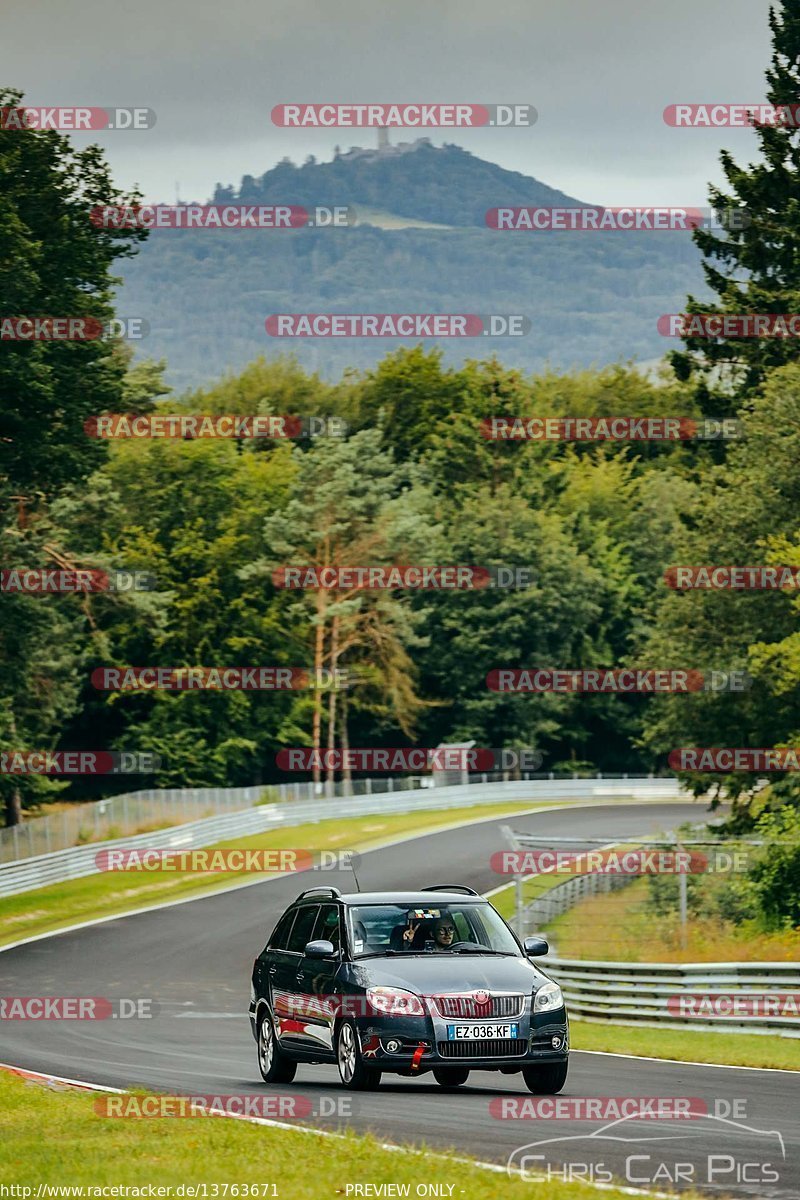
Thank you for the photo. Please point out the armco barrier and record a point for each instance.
(136, 812)
(78, 861)
(639, 993)
(564, 896)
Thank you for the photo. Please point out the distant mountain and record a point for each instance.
(446, 185)
(421, 245)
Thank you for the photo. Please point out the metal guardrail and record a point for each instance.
(79, 861)
(136, 812)
(663, 995)
(648, 994)
(563, 896)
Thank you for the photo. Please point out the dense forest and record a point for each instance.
(409, 478)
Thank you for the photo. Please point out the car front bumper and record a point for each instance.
(416, 1042)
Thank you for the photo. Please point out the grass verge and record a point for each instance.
(83, 1149)
(687, 1045)
(61, 904)
(624, 926)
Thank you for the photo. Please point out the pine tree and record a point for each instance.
(754, 267)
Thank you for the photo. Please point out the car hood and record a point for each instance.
(450, 973)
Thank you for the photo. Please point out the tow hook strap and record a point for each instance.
(418, 1053)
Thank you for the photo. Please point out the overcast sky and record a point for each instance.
(599, 72)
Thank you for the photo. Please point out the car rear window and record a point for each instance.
(280, 934)
(301, 930)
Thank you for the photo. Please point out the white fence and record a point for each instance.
(75, 862)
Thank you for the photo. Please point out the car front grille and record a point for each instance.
(485, 1048)
(466, 1006)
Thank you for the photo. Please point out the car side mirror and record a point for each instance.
(535, 946)
(321, 948)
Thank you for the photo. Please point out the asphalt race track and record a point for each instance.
(194, 960)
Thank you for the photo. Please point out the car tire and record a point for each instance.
(353, 1072)
(451, 1077)
(273, 1064)
(547, 1079)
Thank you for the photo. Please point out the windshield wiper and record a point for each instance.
(387, 954)
(482, 950)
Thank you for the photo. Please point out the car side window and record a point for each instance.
(463, 931)
(327, 925)
(280, 934)
(301, 930)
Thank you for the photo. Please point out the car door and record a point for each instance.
(318, 978)
(266, 964)
(291, 1003)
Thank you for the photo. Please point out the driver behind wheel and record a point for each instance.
(441, 937)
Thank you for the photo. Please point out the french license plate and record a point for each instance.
(474, 1033)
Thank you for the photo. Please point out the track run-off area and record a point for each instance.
(193, 960)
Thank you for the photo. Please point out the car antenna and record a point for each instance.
(353, 869)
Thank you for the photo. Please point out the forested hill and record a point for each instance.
(446, 185)
(591, 298)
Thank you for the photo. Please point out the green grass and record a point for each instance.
(623, 926)
(62, 904)
(506, 901)
(738, 1049)
(55, 1137)
(534, 886)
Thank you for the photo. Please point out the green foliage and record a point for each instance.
(746, 513)
(776, 873)
(753, 268)
(53, 263)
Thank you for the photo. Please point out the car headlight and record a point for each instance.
(547, 998)
(395, 1002)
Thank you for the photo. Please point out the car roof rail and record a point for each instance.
(331, 892)
(450, 887)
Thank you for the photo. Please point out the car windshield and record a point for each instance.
(378, 929)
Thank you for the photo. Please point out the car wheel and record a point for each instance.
(352, 1070)
(547, 1079)
(273, 1064)
(450, 1077)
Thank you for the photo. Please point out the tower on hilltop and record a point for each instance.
(383, 137)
